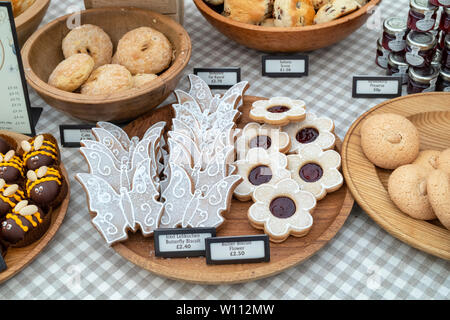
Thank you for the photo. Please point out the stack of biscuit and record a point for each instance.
(420, 182)
(285, 13)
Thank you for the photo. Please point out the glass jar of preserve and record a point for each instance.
(437, 59)
(446, 53)
(394, 34)
(422, 15)
(443, 83)
(444, 24)
(382, 55)
(422, 79)
(420, 47)
(397, 66)
(442, 3)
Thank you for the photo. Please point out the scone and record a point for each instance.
(248, 11)
(144, 50)
(443, 162)
(141, 80)
(319, 3)
(91, 40)
(334, 10)
(71, 73)
(438, 187)
(293, 13)
(428, 159)
(108, 79)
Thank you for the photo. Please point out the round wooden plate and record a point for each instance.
(430, 113)
(18, 258)
(329, 217)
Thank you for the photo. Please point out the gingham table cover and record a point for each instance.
(362, 261)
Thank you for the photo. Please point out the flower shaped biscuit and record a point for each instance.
(278, 111)
(282, 209)
(316, 171)
(312, 130)
(258, 168)
(255, 135)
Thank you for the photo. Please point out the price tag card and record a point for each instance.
(71, 135)
(287, 66)
(232, 250)
(377, 87)
(15, 110)
(180, 243)
(219, 78)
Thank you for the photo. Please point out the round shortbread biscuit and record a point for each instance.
(108, 79)
(91, 40)
(443, 162)
(438, 187)
(71, 73)
(389, 140)
(407, 188)
(428, 159)
(144, 50)
(142, 80)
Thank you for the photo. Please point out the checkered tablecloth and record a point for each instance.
(362, 262)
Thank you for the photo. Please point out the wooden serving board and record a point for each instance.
(18, 258)
(329, 217)
(430, 113)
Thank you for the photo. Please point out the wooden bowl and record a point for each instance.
(274, 39)
(42, 53)
(29, 20)
(18, 258)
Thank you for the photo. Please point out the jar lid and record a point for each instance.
(423, 40)
(445, 74)
(394, 25)
(437, 58)
(423, 75)
(397, 59)
(447, 41)
(422, 6)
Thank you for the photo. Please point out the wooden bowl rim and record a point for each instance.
(56, 223)
(31, 12)
(278, 267)
(203, 7)
(175, 69)
(392, 229)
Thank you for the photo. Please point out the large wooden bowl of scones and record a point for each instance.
(28, 16)
(286, 25)
(114, 65)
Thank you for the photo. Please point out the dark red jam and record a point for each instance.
(307, 135)
(420, 48)
(381, 58)
(443, 83)
(422, 16)
(422, 80)
(442, 3)
(311, 172)
(394, 34)
(260, 142)
(397, 66)
(278, 109)
(260, 175)
(444, 24)
(282, 207)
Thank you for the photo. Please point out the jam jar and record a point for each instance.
(422, 79)
(420, 47)
(397, 66)
(442, 3)
(444, 24)
(437, 59)
(422, 15)
(446, 53)
(394, 34)
(382, 55)
(443, 83)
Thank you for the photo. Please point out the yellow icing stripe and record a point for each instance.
(10, 164)
(31, 220)
(17, 221)
(8, 200)
(31, 154)
(30, 186)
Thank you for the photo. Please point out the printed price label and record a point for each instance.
(71, 135)
(377, 86)
(175, 243)
(219, 78)
(287, 66)
(14, 101)
(232, 250)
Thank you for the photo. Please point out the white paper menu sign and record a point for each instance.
(15, 112)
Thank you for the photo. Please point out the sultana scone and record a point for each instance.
(108, 79)
(144, 50)
(71, 73)
(334, 10)
(249, 11)
(91, 40)
(293, 13)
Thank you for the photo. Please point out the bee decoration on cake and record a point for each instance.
(10, 196)
(11, 167)
(46, 186)
(40, 151)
